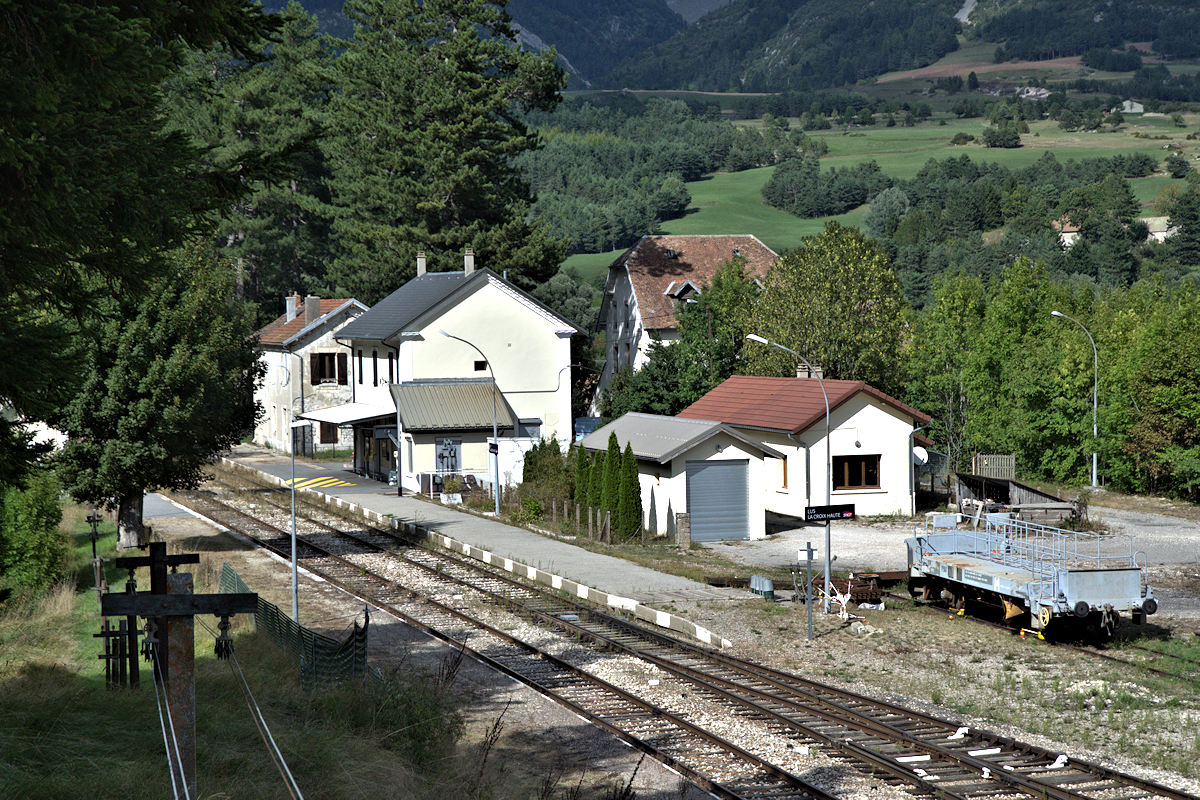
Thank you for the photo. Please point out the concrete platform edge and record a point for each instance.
(662, 619)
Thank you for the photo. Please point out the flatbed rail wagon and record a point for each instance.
(1061, 578)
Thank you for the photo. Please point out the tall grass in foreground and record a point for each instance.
(65, 736)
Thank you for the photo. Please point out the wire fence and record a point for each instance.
(323, 660)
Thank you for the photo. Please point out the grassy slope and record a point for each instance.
(66, 736)
(732, 202)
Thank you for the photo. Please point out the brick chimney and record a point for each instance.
(293, 304)
(420, 263)
(312, 309)
(468, 261)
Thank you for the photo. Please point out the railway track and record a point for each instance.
(929, 755)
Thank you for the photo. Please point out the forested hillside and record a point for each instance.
(592, 35)
(589, 35)
(1039, 29)
(776, 45)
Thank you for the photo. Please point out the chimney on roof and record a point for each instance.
(468, 261)
(312, 309)
(293, 304)
(420, 263)
(804, 372)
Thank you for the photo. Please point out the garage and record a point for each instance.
(697, 476)
(718, 500)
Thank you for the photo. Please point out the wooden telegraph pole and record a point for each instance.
(172, 606)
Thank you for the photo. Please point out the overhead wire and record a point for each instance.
(171, 723)
(260, 722)
(162, 723)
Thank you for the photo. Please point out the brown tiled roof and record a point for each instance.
(652, 268)
(782, 404)
(281, 329)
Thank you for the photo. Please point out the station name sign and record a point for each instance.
(826, 513)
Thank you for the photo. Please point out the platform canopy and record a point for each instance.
(349, 413)
(448, 404)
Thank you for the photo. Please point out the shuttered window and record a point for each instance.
(329, 433)
(327, 368)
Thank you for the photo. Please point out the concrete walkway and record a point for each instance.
(606, 573)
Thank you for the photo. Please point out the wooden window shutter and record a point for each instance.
(314, 369)
(341, 369)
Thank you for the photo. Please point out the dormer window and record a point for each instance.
(681, 290)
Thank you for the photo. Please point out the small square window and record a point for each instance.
(481, 366)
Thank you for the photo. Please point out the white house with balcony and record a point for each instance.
(421, 404)
(869, 446)
(650, 281)
(306, 370)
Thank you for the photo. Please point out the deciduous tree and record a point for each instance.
(95, 187)
(834, 299)
(167, 387)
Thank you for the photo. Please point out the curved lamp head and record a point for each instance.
(443, 333)
(1058, 314)
(754, 337)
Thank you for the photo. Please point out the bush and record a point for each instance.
(32, 550)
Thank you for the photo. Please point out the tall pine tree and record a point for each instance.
(422, 140)
(273, 110)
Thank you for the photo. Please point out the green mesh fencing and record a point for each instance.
(322, 659)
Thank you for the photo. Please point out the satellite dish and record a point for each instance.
(920, 455)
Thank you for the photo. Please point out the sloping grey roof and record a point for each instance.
(450, 404)
(657, 438)
(394, 313)
(391, 314)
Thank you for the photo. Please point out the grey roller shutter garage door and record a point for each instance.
(718, 500)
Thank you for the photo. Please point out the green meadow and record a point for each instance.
(732, 202)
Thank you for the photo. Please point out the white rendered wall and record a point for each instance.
(668, 482)
(863, 419)
(287, 379)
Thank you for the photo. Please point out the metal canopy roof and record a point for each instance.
(657, 438)
(451, 404)
(349, 413)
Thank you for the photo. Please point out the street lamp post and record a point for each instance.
(295, 597)
(754, 337)
(495, 429)
(1095, 390)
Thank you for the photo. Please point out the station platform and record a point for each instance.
(559, 558)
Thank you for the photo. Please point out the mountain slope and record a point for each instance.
(776, 45)
(592, 35)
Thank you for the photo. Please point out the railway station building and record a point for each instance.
(430, 362)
